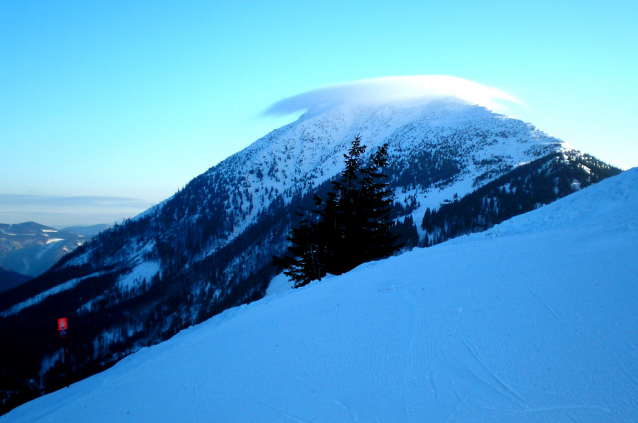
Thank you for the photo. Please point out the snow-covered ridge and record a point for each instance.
(535, 325)
(53, 291)
(591, 208)
(307, 152)
(423, 137)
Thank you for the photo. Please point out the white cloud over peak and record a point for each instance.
(393, 89)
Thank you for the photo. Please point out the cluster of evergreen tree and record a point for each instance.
(351, 226)
(524, 189)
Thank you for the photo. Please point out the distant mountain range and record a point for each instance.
(209, 247)
(87, 231)
(30, 248)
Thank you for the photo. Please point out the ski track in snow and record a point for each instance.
(533, 321)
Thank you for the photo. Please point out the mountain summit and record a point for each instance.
(209, 247)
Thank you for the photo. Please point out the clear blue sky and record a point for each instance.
(134, 99)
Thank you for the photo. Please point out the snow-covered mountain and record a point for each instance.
(30, 248)
(209, 247)
(533, 320)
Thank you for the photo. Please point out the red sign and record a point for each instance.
(62, 324)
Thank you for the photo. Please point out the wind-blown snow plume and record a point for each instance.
(421, 88)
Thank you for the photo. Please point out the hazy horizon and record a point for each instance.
(61, 212)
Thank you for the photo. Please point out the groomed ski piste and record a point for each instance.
(535, 320)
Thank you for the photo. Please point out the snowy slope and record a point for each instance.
(209, 247)
(535, 320)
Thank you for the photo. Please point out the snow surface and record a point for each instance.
(141, 274)
(50, 240)
(279, 284)
(534, 321)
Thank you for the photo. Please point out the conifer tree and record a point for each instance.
(376, 241)
(341, 217)
(353, 223)
(301, 264)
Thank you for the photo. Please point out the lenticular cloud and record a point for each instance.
(393, 89)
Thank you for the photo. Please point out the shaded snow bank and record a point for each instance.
(538, 323)
(278, 285)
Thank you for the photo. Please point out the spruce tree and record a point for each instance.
(341, 217)
(376, 241)
(301, 264)
(353, 223)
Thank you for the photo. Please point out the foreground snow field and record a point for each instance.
(535, 320)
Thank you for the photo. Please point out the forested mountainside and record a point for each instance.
(209, 247)
(524, 189)
(9, 279)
